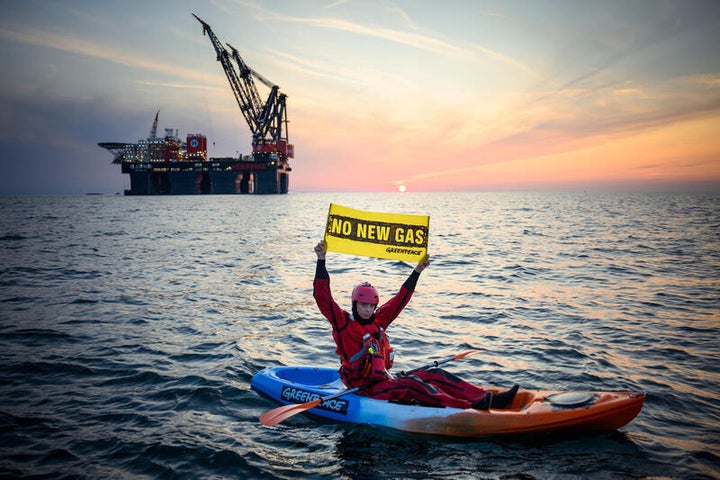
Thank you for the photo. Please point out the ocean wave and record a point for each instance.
(127, 351)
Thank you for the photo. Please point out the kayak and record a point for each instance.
(531, 411)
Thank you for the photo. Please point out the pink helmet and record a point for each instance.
(365, 293)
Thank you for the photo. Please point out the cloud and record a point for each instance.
(640, 35)
(336, 4)
(425, 42)
(577, 120)
(705, 80)
(67, 42)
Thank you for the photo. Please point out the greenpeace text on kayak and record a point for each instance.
(297, 395)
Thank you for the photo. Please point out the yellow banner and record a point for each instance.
(394, 236)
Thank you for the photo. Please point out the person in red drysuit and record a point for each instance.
(366, 355)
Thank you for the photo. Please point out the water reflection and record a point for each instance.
(368, 452)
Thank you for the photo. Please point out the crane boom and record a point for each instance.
(267, 119)
(153, 130)
(237, 86)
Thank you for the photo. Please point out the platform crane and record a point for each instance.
(267, 119)
(153, 129)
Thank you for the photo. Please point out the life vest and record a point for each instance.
(373, 357)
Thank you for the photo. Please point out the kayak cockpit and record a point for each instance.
(311, 377)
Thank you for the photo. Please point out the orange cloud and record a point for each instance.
(355, 158)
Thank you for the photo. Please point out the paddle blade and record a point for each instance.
(277, 415)
(465, 354)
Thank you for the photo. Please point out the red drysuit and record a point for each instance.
(366, 355)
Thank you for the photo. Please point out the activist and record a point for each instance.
(366, 355)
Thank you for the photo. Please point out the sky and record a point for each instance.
(459, 95)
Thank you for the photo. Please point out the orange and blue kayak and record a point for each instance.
(531, 411)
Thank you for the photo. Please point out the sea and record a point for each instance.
(130, 328)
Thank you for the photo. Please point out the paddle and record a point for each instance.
(277, 415)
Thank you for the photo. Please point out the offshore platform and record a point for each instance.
(169, 165)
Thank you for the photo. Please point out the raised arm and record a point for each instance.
(422, 265)
(390, 310)
(322, 293)
(320, 250)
